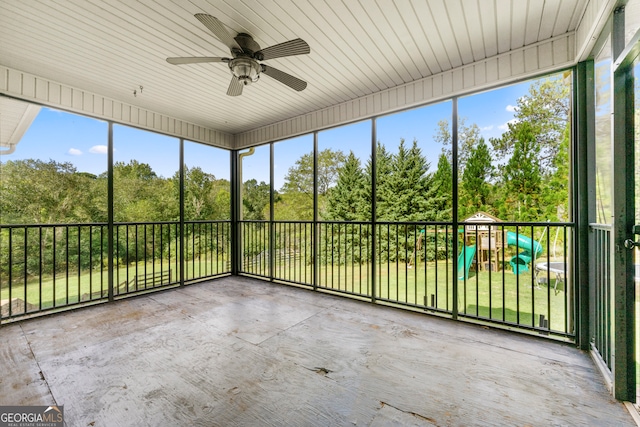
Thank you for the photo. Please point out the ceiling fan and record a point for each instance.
(245, 64)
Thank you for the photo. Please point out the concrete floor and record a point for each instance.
(238, 351)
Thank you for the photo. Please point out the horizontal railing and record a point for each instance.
(514, 274)
(53, 266)
(600, 244)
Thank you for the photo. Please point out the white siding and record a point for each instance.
(41, 91)
(591, 24)
(553, 54)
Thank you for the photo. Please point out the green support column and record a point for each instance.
(110, 228)
(454, 204)
(181, 174)
(623, 333)
(583, 160)
(316, 226)
(235, 214)
(374, 172)
(272, 226)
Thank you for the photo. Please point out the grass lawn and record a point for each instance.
(501, 296)
(93, 285)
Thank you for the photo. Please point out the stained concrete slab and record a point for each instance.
(239, 351)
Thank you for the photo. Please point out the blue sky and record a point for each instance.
(66, 137)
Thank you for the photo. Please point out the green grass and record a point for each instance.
(93, 285)
(501, 296)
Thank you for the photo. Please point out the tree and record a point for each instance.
(442, 184)
(35, 191)
(556, 191)
(384, 197)
(347, 199)
(409, 189)
(468, 137)
(299, 178)
(140, 195)
(535, 148)
(205, 197)
(297, 189)
(255, 200)
(197, 185)
(522, 175)
(546, 109)
(475, 185)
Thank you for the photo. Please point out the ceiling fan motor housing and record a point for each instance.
(244, 66)
(247, 70)
(247, 43)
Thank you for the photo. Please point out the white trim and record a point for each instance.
(29, 87)
(593, 21)
(633, 410)
(604, 370)
(535, 59)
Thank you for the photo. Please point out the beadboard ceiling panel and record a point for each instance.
(117, 48)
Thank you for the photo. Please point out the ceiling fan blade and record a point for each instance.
(290, 48)
(235, 87)
(282, 77)
(218, 29)
(195, 60)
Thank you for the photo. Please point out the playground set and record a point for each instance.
(484, 246)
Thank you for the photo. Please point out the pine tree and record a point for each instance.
(475, 185)
(347, 199)
(410, 186)
(383, 170)
(522, 175)
(442, 184)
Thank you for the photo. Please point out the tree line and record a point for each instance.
(521, 176)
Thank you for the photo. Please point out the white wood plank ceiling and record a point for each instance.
(358, 47)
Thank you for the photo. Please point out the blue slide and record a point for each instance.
(530, 249)
(466, 255)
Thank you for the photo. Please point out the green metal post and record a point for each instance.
(110, 228)
(272, 226)
(235, 214)
(623, 364)
(182, 234)
(583, 149)
(454, 202)
(374, 169)
(316, 226)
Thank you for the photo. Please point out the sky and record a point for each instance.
(66, 137)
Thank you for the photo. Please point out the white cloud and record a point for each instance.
(505, 126)
(99, 149)
(487, 128)
(511, 108)
(74, 152)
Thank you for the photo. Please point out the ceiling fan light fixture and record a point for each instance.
(247, 70)
(245, 65)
